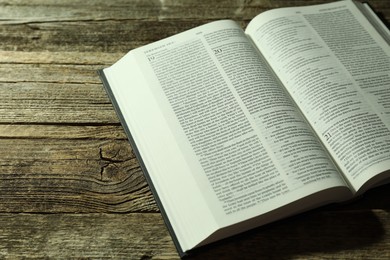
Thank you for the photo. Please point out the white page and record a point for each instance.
(189, 215)
(225, 169)
(337, 68)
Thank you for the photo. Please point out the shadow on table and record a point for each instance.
(327, 230)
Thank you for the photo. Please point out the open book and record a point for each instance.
(235, 129)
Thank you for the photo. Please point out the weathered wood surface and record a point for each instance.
(143, 236)
(70, 186)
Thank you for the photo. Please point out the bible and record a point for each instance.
(238, 128)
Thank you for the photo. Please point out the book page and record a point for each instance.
(167, 169)
(248, 147)
(337, 69)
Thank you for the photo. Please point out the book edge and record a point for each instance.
(145, 172)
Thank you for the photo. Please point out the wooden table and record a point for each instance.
(70, 186)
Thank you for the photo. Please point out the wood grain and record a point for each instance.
(80, 236)
(124, 25)
(70, 185)
(143, 236)
(37, 100)
(62, 175)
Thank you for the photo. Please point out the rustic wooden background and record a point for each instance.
(70, 186)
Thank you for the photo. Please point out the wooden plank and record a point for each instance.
(54, 88)
(92, 236)
(62, 131)
(42, 11)
(54, 73)
(15, 12)
(111, 32)
(93, 36)
(45, 94)
(51, 175)
(122, 26)
(65, 58)
(315, 235)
